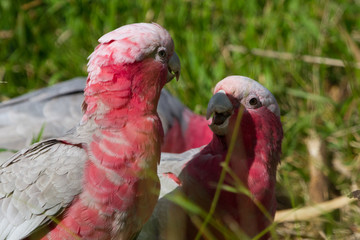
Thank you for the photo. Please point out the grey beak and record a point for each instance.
(219, 103)
(174, 67)
(222, 108)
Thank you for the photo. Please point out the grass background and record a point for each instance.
(43, 42)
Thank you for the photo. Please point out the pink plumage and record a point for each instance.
(253, 163)
(190, 131)
(114, 150)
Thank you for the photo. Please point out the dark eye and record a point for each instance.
(253, 101)
(162, 53)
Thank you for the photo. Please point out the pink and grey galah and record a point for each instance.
(246, 204)
(99, 180)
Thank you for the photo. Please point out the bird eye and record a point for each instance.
(253, 101)
(162, 53)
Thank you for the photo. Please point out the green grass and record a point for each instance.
(43, 42)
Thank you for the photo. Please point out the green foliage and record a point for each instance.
(7, 150)
(38, 137)
(43, 42)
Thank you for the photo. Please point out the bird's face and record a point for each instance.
(235, 92)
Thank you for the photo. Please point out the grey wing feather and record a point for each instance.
(57, 108)
(173, 163)
(38, 183)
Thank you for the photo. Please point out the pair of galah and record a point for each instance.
(99, 180)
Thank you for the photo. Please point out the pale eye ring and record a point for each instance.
(162, 53)
(253, 101)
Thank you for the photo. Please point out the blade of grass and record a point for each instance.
(222, 174)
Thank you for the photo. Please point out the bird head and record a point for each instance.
(130, 65)
(234, 92)
(134, 43)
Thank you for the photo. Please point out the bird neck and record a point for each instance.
(262, 136)
(120, 91)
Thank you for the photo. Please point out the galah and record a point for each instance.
(99, 180)
(252, 166)
(57, 108)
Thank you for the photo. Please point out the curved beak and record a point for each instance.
(174, 67)
(221, 108)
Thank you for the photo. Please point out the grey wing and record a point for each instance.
(173, 163)
(57, 108)
(170, 109)
(36, 184)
